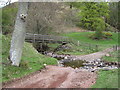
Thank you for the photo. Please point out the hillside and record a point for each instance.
(31, 61)
(42, 18)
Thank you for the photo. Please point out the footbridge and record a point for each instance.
(32, 38)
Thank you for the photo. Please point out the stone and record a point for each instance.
(107, 55)
(81, 50)
(76, 68)
(96, 62)
(65, 57)
(98, 59)
(106, 69)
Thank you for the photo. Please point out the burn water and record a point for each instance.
(90, 66)
(73, 64)
(94, 65)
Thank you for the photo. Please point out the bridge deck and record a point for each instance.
(45, 38)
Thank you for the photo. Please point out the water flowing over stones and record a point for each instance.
(91, 62)
(91, 66)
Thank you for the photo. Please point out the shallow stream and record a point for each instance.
(94, 65)
(73, 64)
(89, 66)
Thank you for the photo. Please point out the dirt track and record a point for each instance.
(56, 77)
(93, 56)
(60, 77)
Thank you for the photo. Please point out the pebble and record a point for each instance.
(66, 57)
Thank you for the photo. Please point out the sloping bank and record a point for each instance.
(31, 61)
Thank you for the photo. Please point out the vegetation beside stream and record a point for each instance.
(114, 57)
(99, 20)
(86, 44)
(110, 78)
(31, 61)
(84, 37)
(107, 79)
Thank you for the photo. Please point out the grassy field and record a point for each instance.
(108, 79)
(31, 61)
(74, 50)
(83, 37)
(87, 45)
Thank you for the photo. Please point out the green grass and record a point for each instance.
(107, 79)
(31, 61)
(84, 38)
(77, 50)
(113, 57)
(74, 50)
(52, 46)
(87, 45)
(72, 53)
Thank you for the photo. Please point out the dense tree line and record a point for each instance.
(47, 17)
(43, 17)
(93, 15)
(98, 16)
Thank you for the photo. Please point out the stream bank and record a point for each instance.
(91, 62)
(65, 77)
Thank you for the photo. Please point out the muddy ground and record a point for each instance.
(55, 77)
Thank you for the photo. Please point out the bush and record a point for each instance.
(107, 35)
(99, 27)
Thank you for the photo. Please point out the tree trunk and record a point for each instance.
(18, 36)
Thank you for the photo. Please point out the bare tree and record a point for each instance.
(19, 34)
(47, 17)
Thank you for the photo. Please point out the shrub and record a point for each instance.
(24, 64)
(107, 35)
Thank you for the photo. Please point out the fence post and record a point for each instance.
(113, 47)
(33, 38)
(41, 46)
(89, 46)
(96, 47)
(116, 48)
(78, 43)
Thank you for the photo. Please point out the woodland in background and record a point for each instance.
(49, 18)
(59, 18)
